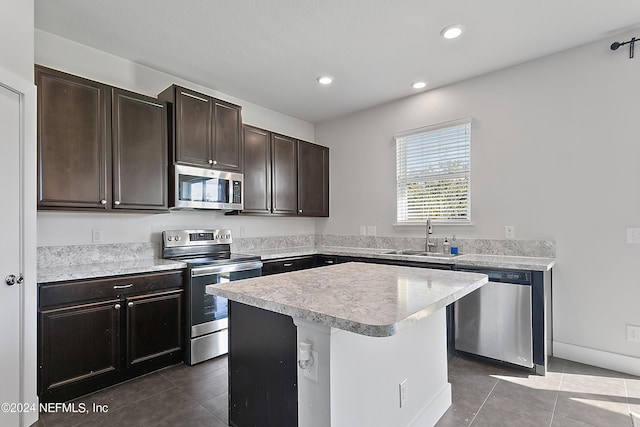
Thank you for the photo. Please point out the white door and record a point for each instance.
(10, 296)
(18, 309)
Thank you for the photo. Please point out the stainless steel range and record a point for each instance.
(210, 261)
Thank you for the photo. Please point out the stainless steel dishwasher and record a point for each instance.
(495, 320)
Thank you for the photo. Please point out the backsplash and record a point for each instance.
(89, 254)
(49, 256)
(510, 247)
(247, 244)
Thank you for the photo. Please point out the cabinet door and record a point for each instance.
(284, 175)
(139, 152)
(74, 151)
(192, 128)
(154, 326)
(78, 343)
(257, 171)
(313, 179)
(227, 136)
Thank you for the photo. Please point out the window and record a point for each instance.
(433, 167)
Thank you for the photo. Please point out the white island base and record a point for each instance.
(359, 376)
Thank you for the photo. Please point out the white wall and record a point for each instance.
(555, 149)
(16, 37)
(55, 228)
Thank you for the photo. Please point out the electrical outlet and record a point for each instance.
(243, 231)
(633, 235)
(363, 230)
(633, 333)
(312, 371)
(371, 230)
(509, 231)
(96, 235)
(404, 396)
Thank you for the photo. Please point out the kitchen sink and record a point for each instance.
(421, 253)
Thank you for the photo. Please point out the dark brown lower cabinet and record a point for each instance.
(263, 373)
(79, 343)
(97, 333)
(146, 316)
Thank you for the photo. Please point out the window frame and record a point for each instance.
(466, 121)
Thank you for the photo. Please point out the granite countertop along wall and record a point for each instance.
(368, 299)
(76, 262)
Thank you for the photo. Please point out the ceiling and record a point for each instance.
(270, 52)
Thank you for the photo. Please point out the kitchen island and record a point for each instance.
(379, 334)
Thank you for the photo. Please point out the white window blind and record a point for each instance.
(433, 173)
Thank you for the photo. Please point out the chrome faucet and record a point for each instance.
(429, 244)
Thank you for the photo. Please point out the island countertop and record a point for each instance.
(368, 299)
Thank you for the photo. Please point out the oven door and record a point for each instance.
(207, 312)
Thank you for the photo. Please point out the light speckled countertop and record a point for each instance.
(60, 273)
(368, 299)
(465, 260)
(57, 273)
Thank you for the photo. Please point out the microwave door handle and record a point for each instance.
(229, 268)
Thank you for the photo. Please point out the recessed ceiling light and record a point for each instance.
(325, 80)
(419, 85)
(451, 32)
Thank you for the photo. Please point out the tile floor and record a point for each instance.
(484, 394)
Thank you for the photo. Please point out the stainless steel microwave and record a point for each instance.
(202, 188)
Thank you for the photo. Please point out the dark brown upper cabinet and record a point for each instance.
(74, 141)
(284, 176)
(139, 134)
(206, 131)
(99, 147)
(313, 179)
(257, 170)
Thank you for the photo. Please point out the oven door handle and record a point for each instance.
(228, 268)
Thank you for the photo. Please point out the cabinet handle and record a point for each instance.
(215, 162)
(300, 211)
(329, 262)
(287, 264)
(130, 304)
(210, 161)
(103, 202)
(117, 306)
(130, 285)
(117, 202)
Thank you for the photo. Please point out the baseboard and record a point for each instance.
(435, 409)
(602, 359)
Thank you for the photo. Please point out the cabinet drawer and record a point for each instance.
(66, 293)
(288, 264)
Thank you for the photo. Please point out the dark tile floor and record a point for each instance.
(484, 394)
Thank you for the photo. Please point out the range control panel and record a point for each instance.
(173, 238)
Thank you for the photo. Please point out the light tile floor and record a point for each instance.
(484, 394)
(571, 394)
